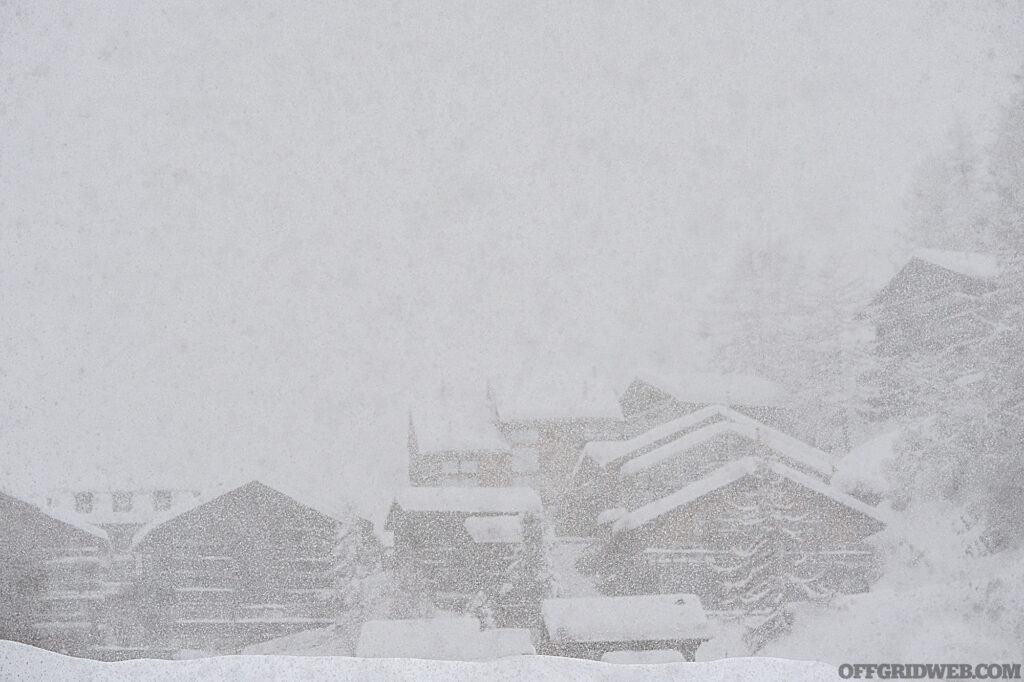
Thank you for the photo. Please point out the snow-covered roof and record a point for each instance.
(730, 473)
(67, 518)
(713, 387)
(300, 496)
(448, 422)
(638, 618)
(468, 499)
(495, 529)
(742, 425)
(863, 468)
(554, 396)
(453, 638)
(604, 452)
(968, 263)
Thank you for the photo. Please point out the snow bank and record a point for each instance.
(454, 638)
(334, 640)
(23, 662)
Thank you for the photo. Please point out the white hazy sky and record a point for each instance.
(233, 235)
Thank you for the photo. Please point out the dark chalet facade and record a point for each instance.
(248, 565)
(52, 583)
(454, 541)
(692, 539)
(936, 299)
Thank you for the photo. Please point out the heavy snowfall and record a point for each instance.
(473, 342)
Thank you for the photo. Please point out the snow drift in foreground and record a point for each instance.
(25, 663)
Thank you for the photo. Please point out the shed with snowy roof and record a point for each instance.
(591, 627)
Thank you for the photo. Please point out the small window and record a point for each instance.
(161, 500)
(449, 467)
(122, 502)
(83, 503)
(469, 466)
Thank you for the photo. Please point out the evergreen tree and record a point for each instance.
(514, 600)
(767, 570)
(962, 400)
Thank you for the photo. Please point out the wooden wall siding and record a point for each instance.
(249, 565)
(51, 579)
(678, 551)
(444, 554)
(558, 444)
(493, 469)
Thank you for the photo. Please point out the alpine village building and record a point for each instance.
(648, 491)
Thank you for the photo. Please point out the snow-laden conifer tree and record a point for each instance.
(515, 597)
(766, 570)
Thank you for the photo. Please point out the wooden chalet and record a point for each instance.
(594, 627)
(695, 537)
(244, 566)
(651, 398)
(457, 444)
(630, 473)
(52, 573)
(457, 540)
(936, 298)
(547, 420)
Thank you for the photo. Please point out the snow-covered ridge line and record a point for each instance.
(23, 662)
(741, 425)
(730, 473)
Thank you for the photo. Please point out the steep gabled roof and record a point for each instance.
(735, 423)
(731, 473)
(937, 270)
(54, 518)
(213, 496)
(605, 452)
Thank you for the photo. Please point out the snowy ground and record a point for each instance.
(22, 663)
